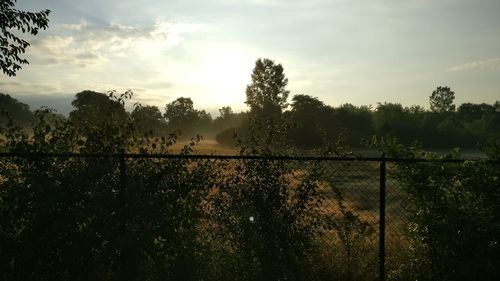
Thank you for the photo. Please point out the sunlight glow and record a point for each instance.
(223, 74)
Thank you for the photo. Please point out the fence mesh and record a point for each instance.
(138, 218)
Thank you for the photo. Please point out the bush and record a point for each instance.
(227, 137)
(456, 217)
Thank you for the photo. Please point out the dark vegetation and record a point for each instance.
(62, 218)
(310, 122)
(185, 219)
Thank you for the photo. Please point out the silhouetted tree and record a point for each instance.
(471, 111)
(148, 119)
(228, 119)
(12, 23)
(225, 111)
(356, 123)
(12, 109)
(97, 114)
(228, 125)
(388, 117)
(181, 115)
(203, 122)
(307, 117)
(441, 100)
(94, 109)
(267, 94)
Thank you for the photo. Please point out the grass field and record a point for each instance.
(206, 147)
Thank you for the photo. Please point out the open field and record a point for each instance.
(210, 146)
(207, 147)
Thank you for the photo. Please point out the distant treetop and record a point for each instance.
(441, 100)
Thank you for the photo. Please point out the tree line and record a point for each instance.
(309, 122)
(265, 219)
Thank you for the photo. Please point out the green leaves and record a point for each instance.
(11, 46)
(456, 216)
(266, 94)
(441, 100)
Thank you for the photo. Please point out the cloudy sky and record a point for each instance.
(341, 51)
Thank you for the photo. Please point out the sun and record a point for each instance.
(223, 74)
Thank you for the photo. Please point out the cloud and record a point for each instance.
(83, 44)
(26, 88)
(490, 64)
(65, 50)
(75, 26)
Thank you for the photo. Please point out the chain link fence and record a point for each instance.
(196, 217)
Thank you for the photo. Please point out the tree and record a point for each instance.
(228, 119)
(180, 113)
(355, 123)
(267, 94)
(307, 117)
(93, 108)
(306, 104)
(148, 119)
(471, 111)
(225, 112)
(12, 22)
(12, 109)
(97, 115)
(441, 100)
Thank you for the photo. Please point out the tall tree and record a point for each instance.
(441, 100)
(12, 23)
(267, 94)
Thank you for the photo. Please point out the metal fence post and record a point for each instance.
(122, 195)
(382, 220)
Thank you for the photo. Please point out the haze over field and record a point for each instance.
(340, 51)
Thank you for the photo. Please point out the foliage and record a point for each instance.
(492, 148)
(72, 218)
(115, 218)
(266, 94)
(180, 115)
(441, 100)
(12, 109)
(228, 119)
(267, 213)
(148, 119)
(309, 121)
(151, 219)
(228, 137)
(352, 239)
(306, 119)
(13, 22)
(456, 216)
(102, 120)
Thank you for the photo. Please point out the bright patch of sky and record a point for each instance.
(341, 51)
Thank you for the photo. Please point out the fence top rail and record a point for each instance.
(233, 157)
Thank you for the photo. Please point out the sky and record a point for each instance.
(341, 51)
